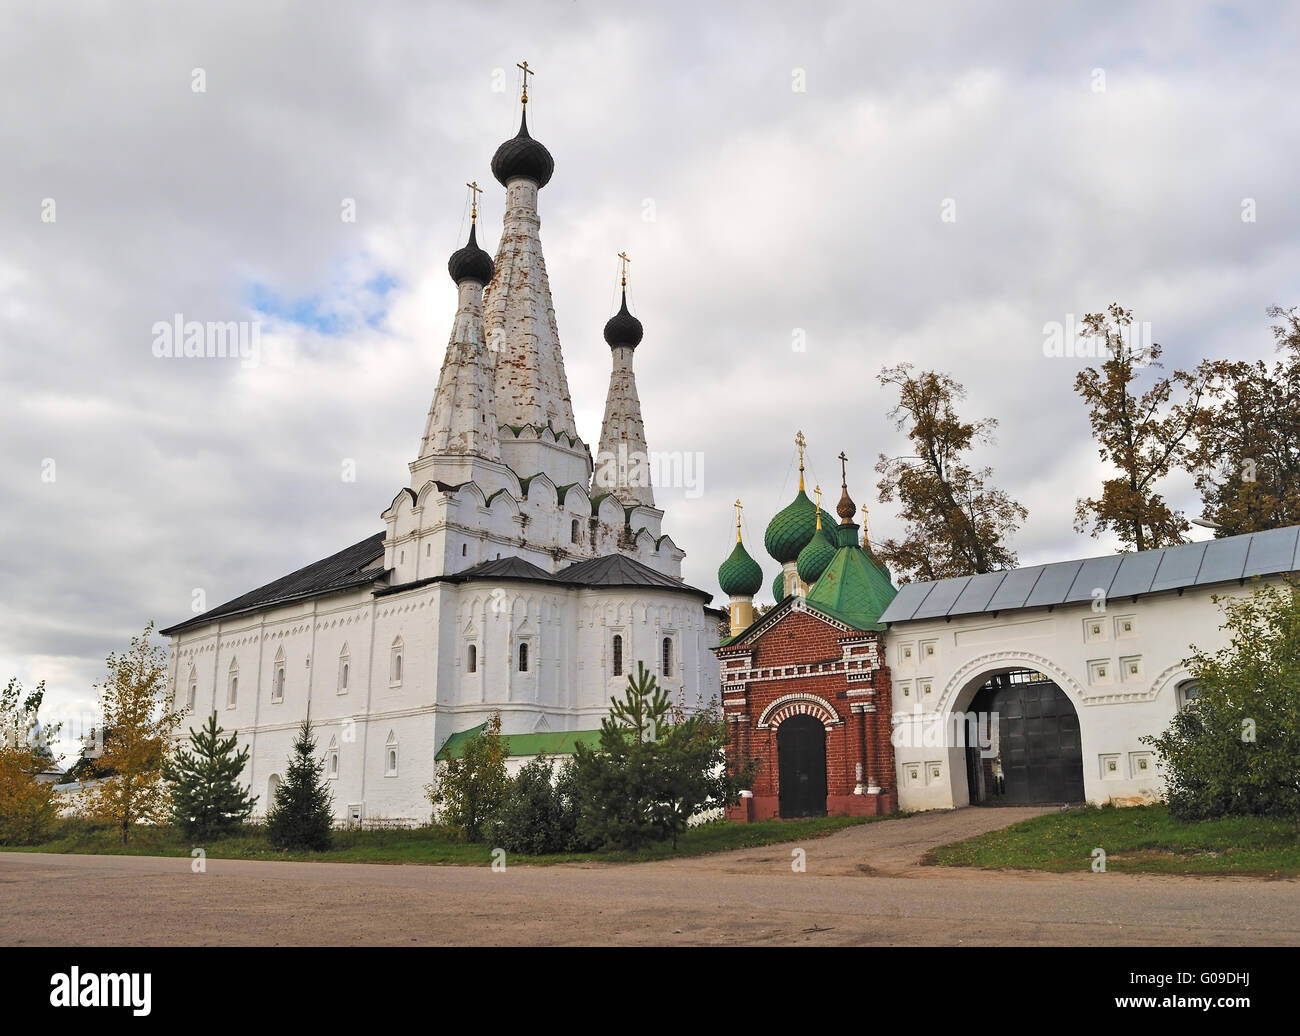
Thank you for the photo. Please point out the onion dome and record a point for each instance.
(470, 263)
(522, 156)
(739, 575)
(789, 532)
(846, 508)
(778, 587)
(623, 328)
(814, 558)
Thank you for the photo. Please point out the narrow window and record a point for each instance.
(472, 662)
(390, 755)
(192, 693)
(395, 663)
(523, 658)
(464, 549)
(573, 531)
(668, 656)
(277, 682)
(618, 655)
(234, 692)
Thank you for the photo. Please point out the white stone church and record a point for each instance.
(514, 572)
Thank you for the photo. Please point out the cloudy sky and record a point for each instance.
(778, 172)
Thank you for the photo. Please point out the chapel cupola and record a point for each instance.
(740, 578)
(522, 157)
(791, 530)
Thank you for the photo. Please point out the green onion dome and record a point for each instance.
(814, 558)
(778, 587)
(789, 532)
(739, 575)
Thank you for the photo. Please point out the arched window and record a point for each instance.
(277, 677)
(471, 661)
(332, 760)
(345, 670)
(272, 786)
(395, 664)
(1188, 691)
(523, 658)
(668, 656)
(390, 755)
(618, 655)
(192, 691)
(232, 684)
(464, 549)
(573, 531)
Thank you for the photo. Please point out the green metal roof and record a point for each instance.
(740, 574)
(551, 742)
(792, 528)
(815, 557)
(853, 590)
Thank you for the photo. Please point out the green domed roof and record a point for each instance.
(814, 558)
(792, 528)
(740, 575)
(778, 587)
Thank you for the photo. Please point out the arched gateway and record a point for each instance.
(1029, 750)
(801, 766)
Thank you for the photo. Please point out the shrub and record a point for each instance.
(1235, 748)
(467, 792)
(539, 811)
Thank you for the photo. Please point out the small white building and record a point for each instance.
(1078, 660)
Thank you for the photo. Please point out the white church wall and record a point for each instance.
(1120, 668)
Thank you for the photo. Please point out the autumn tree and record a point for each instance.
(1144, 435)
(467, 791)
(27, 805)
(208, 799)
(956, 523)
(1247, 453)
(136, 731)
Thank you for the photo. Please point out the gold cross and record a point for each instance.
(625, 260)
(474, 191)
(818, 491)
(527, 72)
(864, 525)
(738, 509)
(800, 442)
(844, 478)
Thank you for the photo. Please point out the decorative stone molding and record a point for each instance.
(799, 704)
(999, 660)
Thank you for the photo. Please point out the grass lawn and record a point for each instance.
(1137, 839)
(424, 845)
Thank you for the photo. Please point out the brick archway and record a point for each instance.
(780, 710)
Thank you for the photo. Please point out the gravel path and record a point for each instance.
(861, 886)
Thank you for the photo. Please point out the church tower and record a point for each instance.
(532, 391)
(623, 461)
(460, 434)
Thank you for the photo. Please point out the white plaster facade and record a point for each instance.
(1120, 667)
(425, 647)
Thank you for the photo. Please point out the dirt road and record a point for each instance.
(861, 886)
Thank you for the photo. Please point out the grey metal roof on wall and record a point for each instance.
(356, 565)
(1119, 575)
